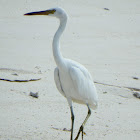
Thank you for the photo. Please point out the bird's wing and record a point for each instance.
(57, 81)
(83, 83)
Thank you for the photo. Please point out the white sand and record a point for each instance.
(107, 42)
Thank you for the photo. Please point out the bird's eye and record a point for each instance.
(52, 11)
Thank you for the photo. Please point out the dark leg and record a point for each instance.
(72, 122)
(83, 124)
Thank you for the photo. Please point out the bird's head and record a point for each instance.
(53, 12)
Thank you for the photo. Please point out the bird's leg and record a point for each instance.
(83, 124)
(72, 122)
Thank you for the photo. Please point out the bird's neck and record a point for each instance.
(56, 44)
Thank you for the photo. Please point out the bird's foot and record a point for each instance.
(80, 130)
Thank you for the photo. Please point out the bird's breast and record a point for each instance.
(67, 84)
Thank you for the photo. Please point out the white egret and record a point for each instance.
(71, 78)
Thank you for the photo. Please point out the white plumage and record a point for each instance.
(71, 78)
(75, 82)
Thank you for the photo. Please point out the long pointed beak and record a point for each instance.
(46, 12)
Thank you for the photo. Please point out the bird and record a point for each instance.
(72, 79)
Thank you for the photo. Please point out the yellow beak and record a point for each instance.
(46, 12)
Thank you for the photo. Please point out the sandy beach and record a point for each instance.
(103, 35)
